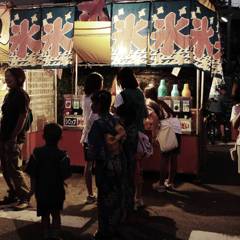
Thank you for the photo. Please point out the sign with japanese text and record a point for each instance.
(57, 34)
(94, 10)
(170, 34)
(130, 34)
(41, 37)
(166, 33)
(25, 38)
(41, 89)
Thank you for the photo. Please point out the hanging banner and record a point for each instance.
(130, 34)
(203, 36)
(206, 44)
(25, 38)
(95, 10)
(57, 34)
(4, 34)
(170, 31)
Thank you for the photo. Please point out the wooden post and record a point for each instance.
(76, 74)
(197, 101)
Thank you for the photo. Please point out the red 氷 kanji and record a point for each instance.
(128, 33)
(92, 11)
(22, 39)
(168, 34)
(218, 54)
(200, 37)
(55, 37)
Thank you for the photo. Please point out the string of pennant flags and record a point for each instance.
(159, 33)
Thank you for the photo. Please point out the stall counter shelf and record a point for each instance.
(70, 142)
(188, 160)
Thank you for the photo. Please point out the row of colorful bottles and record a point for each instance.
(163, 92)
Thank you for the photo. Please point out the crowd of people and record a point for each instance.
(111, 145)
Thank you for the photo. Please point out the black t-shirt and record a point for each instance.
(45, 167)
(16, 102)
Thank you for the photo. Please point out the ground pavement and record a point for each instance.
(198, 210)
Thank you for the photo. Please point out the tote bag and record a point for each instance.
(166, 136)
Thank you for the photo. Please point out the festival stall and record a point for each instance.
(146, 34)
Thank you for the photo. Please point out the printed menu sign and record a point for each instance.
(41, 89)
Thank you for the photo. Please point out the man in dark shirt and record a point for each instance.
(15, 110)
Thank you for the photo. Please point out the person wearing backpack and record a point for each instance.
(132, 98)
(106, 139)
(14, 124)
(48, 168)
(126, 115)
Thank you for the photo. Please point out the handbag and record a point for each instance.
(166, 137)
(233, 153)
(144, 148)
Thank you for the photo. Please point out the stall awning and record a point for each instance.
(208, 4)
(92, 42)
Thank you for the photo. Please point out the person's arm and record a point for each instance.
(20, 124)
(236, 121)
(95, 142)
(32, 186)
(166, 108)
(23, 108)
(31, 170)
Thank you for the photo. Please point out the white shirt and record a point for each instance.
(88, 118)
(118, 100)
(235, 113)
(86, 105)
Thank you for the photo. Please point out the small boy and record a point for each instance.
(48, 167)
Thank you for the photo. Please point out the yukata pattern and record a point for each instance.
(109, 176)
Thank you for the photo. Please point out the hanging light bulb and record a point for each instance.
(224, 19)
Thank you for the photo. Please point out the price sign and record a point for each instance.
(72, 121)
(186, 125)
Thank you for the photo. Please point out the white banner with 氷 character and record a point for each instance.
(25, 38)
(130, 23)
(41, 37)
(170, 31)
(57, 36)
